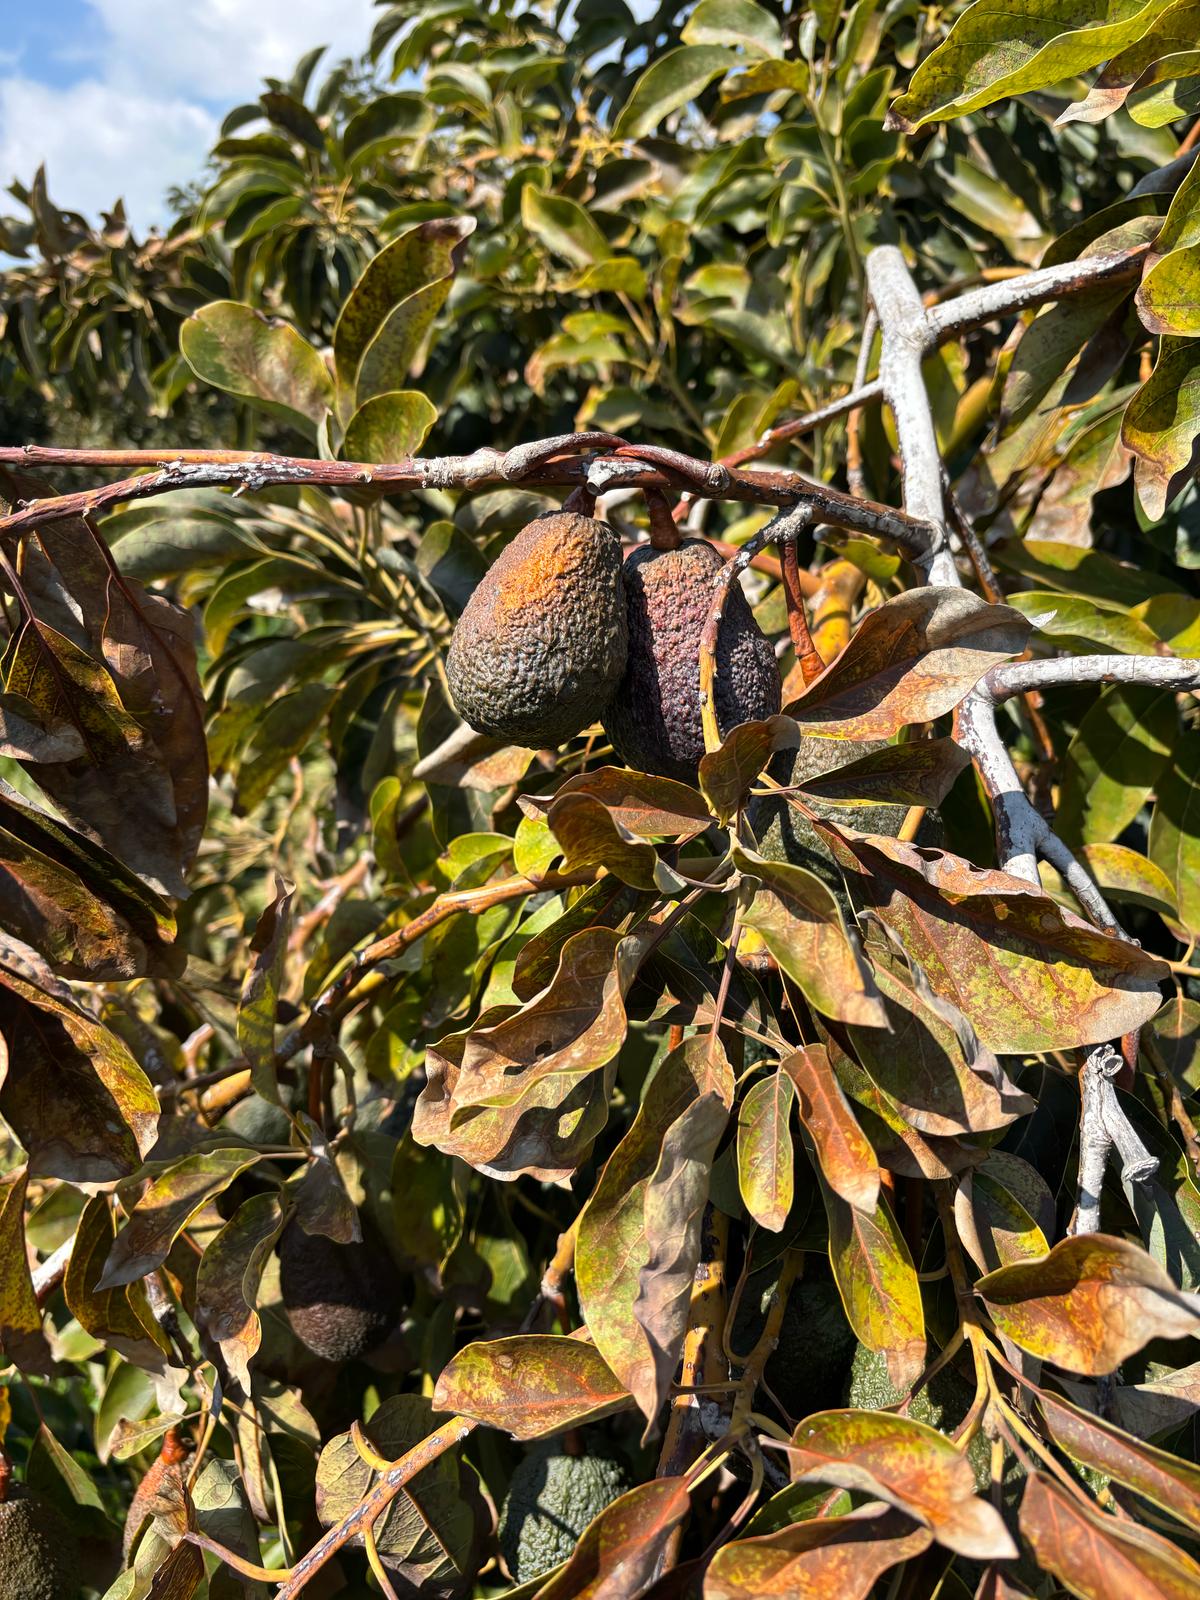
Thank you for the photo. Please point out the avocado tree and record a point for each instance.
(598, 909)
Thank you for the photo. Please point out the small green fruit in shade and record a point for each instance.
(551, 1500)
(540, 646)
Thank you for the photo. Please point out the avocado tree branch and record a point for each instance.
(1017, 677)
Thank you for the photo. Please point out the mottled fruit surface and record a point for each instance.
(654, 718)
(541, 644)
(38, 1553)
(342, 1300)
(551, 1500)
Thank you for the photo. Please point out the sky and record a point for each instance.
(124, 97)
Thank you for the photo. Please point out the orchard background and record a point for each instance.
(846, 1209)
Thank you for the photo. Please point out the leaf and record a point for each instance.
(387, 314)
(638, 1240)
(228, 1278)
(921, 773)
(1166, 1481)
(1114, 760)
(530, 1093)
(22, 1342)
(591, 837)
(801, 925)
(1088, 1305)
(1168, 297)
(260, 992)
(1097, 1556)
(1085, 625)
(389, 427)
(1026, 974)
(120, 1317)
(532, 1385)
(914, 658)
(844, 1152)
(1176, 26)
(987, 58)
(911, 1466)
(564, 227)
(727, 773)
(642, 804)
(671, 81)
(734, 22)
(1175, 830)
(1176, 1030)
(841, 1556)
(429, 1530)
(74, 1096)
(1162, 422)
(237, 349)
(878, 1284)
(994, 1224)
(764, 1150)
(165, 1209)
(1124, 874)
(621, 1550)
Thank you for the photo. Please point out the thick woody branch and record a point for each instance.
(1002, 299)
(1103, 1125)
(1018, 677)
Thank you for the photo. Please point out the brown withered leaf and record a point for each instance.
(913, 659)
(260, 992)
(921, 773)
(639, 802)
(1098, 1557)
(918, 1064)
(911, 1466)
(1089, 1304)
(1026, 974)
(74, 1096)
(1165, 1480)
(727, 774)
(166, 1207)
(878, 1284)
(643, 1219)
(764, 1150)
(843, 1151)
(22, 1342)
(88, 915)
(591, 836)
(532, 1385)
(620, 1551)
(120, 1317)
(841, 1556)
(530, 1092)
(228, 1278)
(801, 925)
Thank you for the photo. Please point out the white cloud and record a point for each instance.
(156, 83)
(100, 142)
(219, 50)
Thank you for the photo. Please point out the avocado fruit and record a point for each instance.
(551, 1499)
(540, 645)
(810, 1366)
(654, 719)
(942, 1403)
(39, 1557)
(342, 1300)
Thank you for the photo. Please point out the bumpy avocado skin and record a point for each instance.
(550, 1501)
(39, 1558)
(784, 834)
(942, 1403)
(541, 644)
(654, 718)
(342, 1300)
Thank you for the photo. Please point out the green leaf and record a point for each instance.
(1089, 1305)
(764, 1150)
(166, 1208)
(1175, 830)
(734, 22)
(878, 1284)
(22, 1342)
(260, 992)
(564, 227)
(1114, 760)
(1162, 423)
(617, 275)
(1168, 298)
(237, 349)
(668, 83)
(991, 54)
(228, 1279)
(389, 427)
(532, 1386)
(389, 311)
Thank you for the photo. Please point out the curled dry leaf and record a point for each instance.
(1089, 1304)
(532, 1385)
(911, 1466)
